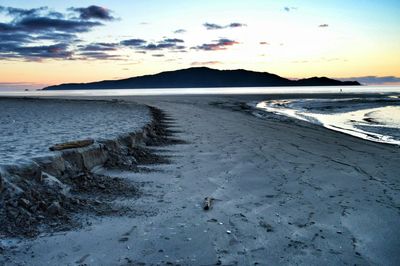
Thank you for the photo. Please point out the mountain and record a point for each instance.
(201, 77)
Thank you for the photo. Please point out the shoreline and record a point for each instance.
(286, 192)
(347, 122)
(37, 191)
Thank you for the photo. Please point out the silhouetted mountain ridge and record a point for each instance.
(201, 77)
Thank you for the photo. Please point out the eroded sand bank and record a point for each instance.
(286, 192)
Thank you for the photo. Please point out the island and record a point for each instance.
(202, 77)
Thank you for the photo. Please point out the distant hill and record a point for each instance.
(201, 77)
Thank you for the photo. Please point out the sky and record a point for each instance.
(52, 42)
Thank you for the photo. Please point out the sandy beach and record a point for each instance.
(284, 192)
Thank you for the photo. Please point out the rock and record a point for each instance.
(54, 183)
(54, 208)
(1, 182)
(207, 203)
(267, 226)
(24, 203)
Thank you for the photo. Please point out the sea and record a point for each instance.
(370, 118)
(30, 126)
(374, 116)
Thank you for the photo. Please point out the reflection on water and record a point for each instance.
(375, 119)
(194, 91)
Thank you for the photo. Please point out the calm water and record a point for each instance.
(193, 91)
(30, 126)
(368, 118)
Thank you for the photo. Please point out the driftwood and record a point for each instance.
(72, 144)
(207, 203)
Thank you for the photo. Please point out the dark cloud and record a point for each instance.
(180, 31)
(140, 44)
(20, 12)
(236, 25)
(263, 43)
(323, 25)
(93, 12)
(43, 24)
(289, 8)
(97, 55)
(42, 51)
(99, 50)
(212, 26)
(67, 37)
(22, 37)
(133, 42)
(173, 40)
(205, 63)
(4, 27)
(158, 55)
(161, 46)
(375, 80)
(99, 47)
(39, 20)
(14, 38)
(220, 44)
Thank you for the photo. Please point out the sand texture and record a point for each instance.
(283, 192)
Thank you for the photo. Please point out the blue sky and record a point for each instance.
(291, 38)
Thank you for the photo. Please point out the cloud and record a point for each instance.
(375, 80)
(133, 42)
(40, 20)
(158, 55)
(216, 45)
(20, 12)
(42, 24)
(65, 37)
(7, 38)
(205, 63)
(263, 43)
(167, 43)
(173, 40)
(99, 47)
(236, 25)
(59, 50)
(289, 8)
(212, 26)
(93, 12)
(161, 45)
(323, 25)
(97, 55)
(41, 33)
(178, 31)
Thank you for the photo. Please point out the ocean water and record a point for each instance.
(30, 126)
(200, 91)
(373, 118)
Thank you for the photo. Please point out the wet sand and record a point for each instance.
(286, 192)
